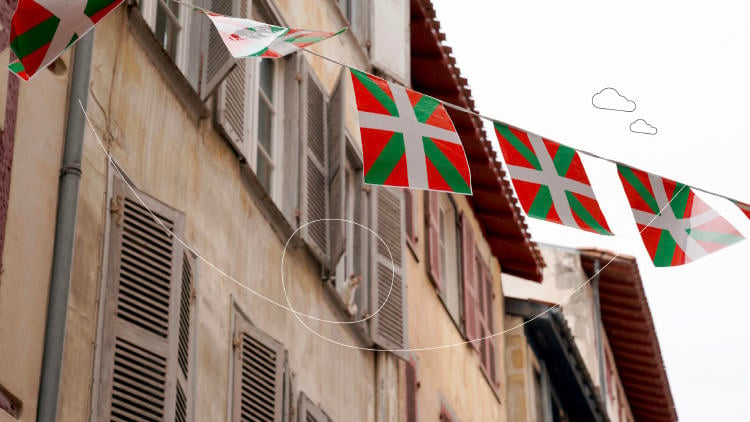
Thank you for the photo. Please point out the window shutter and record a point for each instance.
(484, 319)
(445, 413)
(187, 296)
(411, 390)
(470, 283)
(307, 411)
(433, 238)
(315, 193)
(336, 176)
(390, 38)
(142, 304)
(217, 62)
(409, 210)
(258, 375)
(291, 140)
(232, 103)
(387, 327)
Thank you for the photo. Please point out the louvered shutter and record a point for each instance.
(307, 411)
(187, 298)
(232, 103)
(217, 62)
(293, 110)
(258, 375)
(488, 327)
(336, 173)
(387, 327)
(433, 238)
(470, 282)
(314, 196)
(142, 304)
(411, 390)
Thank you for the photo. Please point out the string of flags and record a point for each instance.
(409, 140)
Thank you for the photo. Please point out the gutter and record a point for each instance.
(65, 226)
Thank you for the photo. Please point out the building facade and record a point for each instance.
(600, 343)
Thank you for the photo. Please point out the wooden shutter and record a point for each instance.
(293, 110)
(217, 62)
(140, 344)
(470, 282)
(411, 390)
(314, 198)
(307, 411)
(232, 103)
(187, 299)
(258, 375)
(336, 173)
(432, 214)
(390, 38)
(387, 327)
(410, 210)
(485, 319)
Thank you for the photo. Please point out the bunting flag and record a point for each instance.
(41, 30)
(550, 181)
(676, 226)
(248, 38)
(745, 208)
(408, 139)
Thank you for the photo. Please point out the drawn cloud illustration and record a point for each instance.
(610, 99)
(642, 126)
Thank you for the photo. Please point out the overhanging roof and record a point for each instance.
(630, 330)
(553, 343)
(434, 72)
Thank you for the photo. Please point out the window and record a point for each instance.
(260, 378)
(445, 252)
(170, 21)
(356, 14)
(250, 108)
(485, 323)
(145, 354)
(410, 210)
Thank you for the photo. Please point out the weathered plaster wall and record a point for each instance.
(454, 372)
(29, 234)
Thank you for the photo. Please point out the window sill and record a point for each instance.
(167, 68)
(334, 300)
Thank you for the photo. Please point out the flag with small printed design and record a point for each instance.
(676, 226)
(408, 139)
(41, 30)
(248, 38)
(745, 208)
(550, 180)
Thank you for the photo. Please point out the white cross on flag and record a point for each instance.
(676, 226)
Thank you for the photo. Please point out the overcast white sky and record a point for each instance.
(686, 65)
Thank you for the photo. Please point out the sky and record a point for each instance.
(685, 64)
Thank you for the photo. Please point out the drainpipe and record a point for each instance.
(598, 333)
(65, 225)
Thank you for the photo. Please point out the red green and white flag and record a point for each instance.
(249, 38)
(408, 139)
(294, 40)
(550, 180)
(745, 208)
(41, 30)
(676, 226)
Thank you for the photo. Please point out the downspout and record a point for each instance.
(65, 225)
(598, 333)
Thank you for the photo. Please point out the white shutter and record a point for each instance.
(336, 173)
(217, 62)
(314, 195)
(140, 343)
(390, 38)
(387, 327)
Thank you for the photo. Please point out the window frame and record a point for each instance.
(458, 257)
(149, 10)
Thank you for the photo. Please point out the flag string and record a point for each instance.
(494, 120)
(290, 308)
